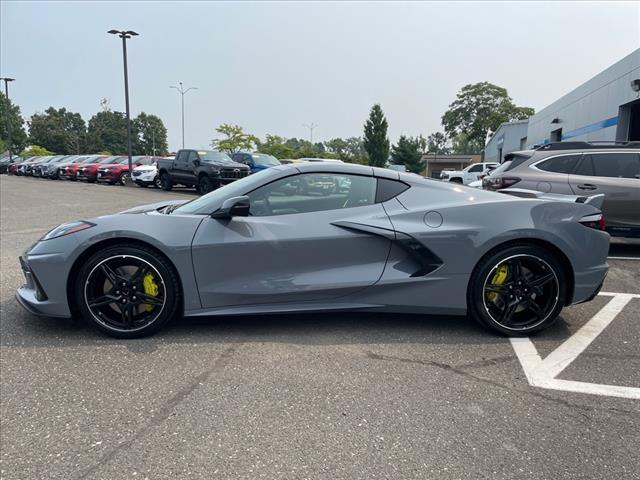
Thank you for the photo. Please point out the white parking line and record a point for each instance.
(543, 372)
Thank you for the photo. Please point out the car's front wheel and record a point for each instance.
(127, 291)
(517, 290)
(156, 182)
(123, 178)
(205, 185)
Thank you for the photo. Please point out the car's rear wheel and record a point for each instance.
(165, 182)
(518, 290)
(127, 291)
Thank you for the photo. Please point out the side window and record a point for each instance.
(617, 165)
(561, 164)
(182, 156)
(388, 189)
(193, 156)
(312, 192)
(475, 168)
(586, 166)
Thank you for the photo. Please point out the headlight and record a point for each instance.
(68, 228)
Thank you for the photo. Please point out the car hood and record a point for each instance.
(145, 168)
(152, 207)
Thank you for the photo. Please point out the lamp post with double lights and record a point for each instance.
(180, 88)
(124, 35)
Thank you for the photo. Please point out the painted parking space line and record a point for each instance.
(543, 373)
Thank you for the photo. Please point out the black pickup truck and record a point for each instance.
(204, 169)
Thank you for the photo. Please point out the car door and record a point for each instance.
(473, 173)
(617, 175)
(294, 246)
(179, 166)
(550, 175)
(193, 161)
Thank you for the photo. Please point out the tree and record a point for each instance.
(235, 139)
(376, 142)
(480, 108)
(35, 151)
(462, 144)
(348, 150)
(107, 131)
(18, 135)
(437, 143)
(150, 135)
(407, 152)
(58, 130)
(275, 145)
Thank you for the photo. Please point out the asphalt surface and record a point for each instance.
(336, 396)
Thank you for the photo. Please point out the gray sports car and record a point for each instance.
(368, 240)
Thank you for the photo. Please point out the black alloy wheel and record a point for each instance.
(518, 291)
(165, 182)
(205, 185)
(127, 291)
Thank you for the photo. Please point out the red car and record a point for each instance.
(88, 172)
(68, 172)
(118, 172)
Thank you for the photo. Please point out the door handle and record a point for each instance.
(587, 186)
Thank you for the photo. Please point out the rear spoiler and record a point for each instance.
(595, 200)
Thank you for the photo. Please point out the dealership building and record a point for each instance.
(605, 108)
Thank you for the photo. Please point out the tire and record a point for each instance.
(497, 300)
(122, 180)
(165, 182)
(134, 319)
(205, 185)
(156, 182)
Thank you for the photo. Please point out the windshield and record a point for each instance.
(210, 156)
(503, 167)
(265, 159)
(209, 203)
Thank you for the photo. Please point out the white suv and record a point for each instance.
(470, 174)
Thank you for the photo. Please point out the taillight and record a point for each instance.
(498, 183)
(594, 221)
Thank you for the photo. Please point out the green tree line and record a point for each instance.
(477, 111)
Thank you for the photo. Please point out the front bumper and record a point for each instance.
(107, 177)
(87, 177)
(33, 298)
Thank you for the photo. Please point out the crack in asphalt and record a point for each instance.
(459, 371)
(163, 413)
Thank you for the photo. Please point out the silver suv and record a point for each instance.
(581, 168)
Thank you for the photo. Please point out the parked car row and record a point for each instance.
(582, 169)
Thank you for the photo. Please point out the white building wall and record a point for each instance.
(507, 138)
(591, 112)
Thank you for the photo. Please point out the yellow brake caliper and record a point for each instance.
(498, 279)
(150, 288)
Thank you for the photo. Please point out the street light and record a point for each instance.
(310, 126)
(124, 34)
(6, 81)
(182, 91)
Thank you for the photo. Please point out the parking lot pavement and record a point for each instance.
(304, 396)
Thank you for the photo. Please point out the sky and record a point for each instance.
(272, 67)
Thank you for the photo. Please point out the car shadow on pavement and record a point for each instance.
(21, 329)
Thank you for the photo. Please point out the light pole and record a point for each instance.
(124, 34)
(310, 126)
(180, 88)
(6, 81)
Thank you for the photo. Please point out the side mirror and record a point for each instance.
(233, 207)
(196, 162)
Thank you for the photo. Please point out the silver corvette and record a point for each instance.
(322, 237)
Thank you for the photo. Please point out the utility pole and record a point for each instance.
(310, 126)
(124, 35)
(180, 88)
(6, 81)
